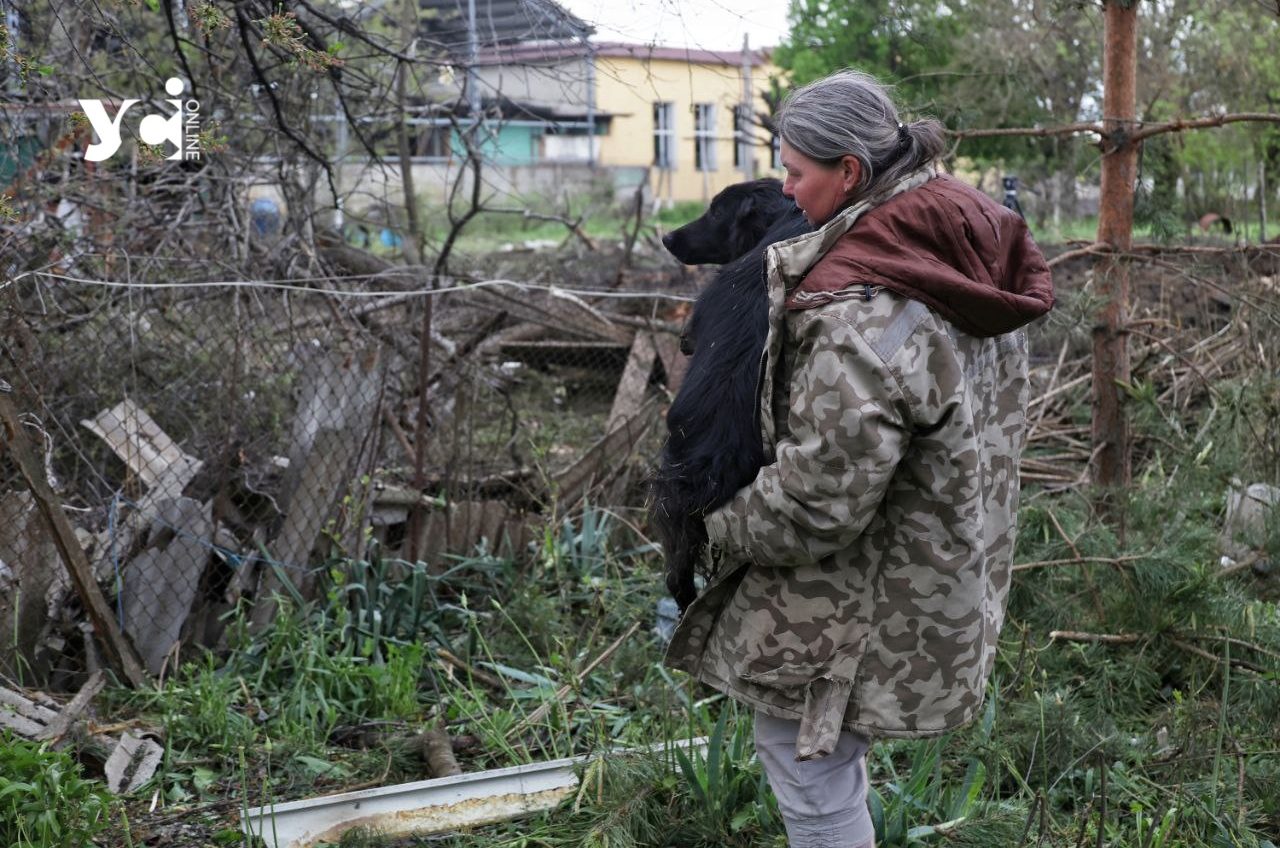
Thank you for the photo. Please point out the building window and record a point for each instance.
(775, 152)
(704, 136)
(742, 137)
(431, 141)
(664, 136)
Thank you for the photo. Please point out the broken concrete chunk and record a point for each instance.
(22, 715)
(132, 763)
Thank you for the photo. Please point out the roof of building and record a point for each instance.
(547, 51)
(443, 23)
(681, 54)
(502, 22)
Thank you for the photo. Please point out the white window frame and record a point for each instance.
(664, 135)
(704, 136)
(742, 137)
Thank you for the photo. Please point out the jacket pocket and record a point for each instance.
(824, 689)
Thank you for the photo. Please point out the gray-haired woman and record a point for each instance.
(860, 580)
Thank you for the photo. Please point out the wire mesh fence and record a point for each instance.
(223, 445)
(219, 445)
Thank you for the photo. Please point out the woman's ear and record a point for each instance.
(850, 173)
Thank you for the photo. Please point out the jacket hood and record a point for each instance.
(946, 245)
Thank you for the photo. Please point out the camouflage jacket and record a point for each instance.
(860, 580)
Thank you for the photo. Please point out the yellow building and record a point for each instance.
(564, 114)
(681, 113)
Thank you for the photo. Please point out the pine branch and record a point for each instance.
(1102, 638)
(1078, 560)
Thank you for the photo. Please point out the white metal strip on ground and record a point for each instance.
(427, 806)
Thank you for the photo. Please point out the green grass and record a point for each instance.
(1184, 744)
(493, 232)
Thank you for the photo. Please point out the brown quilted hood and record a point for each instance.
(948, 246)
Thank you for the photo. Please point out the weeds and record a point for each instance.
(728, 797)
(923, 794)
(44, 800)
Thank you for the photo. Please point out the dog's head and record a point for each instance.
(736, 220)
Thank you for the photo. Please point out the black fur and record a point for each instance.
(714, 445)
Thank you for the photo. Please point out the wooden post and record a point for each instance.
(1262, 199)
(118, 650)
(1112, 465)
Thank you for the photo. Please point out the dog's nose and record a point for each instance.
(667, 240)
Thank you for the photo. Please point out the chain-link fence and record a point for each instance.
(216, 445)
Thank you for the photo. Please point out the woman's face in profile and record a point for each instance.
(818, 188)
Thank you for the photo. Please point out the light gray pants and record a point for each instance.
(823, 802)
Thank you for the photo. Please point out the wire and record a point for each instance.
(233, 558)
(291, 285)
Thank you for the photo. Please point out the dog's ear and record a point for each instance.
(746, 206)
(749, 223)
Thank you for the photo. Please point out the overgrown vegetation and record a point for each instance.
(1164, 737)
(1133, 700)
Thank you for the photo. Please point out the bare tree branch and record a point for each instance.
(1041, 132)
(1197, 123)
(1138, 135)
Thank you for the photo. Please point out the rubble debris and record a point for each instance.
(119, 651)
(155, 458)
(132, 762)
(146, 449)
(635, 381)
(1251, 516)
(161, 582)
(606, 457)
(61, 724)
(328, 435)
(556, 309)
(31, 577)
(24, 716)
(133, 759)
(467, 525)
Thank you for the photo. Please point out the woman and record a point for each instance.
(859, 581)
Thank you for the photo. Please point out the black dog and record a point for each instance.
(714, 446)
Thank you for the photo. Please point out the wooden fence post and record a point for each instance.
(1112, 466)
(118, 650)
